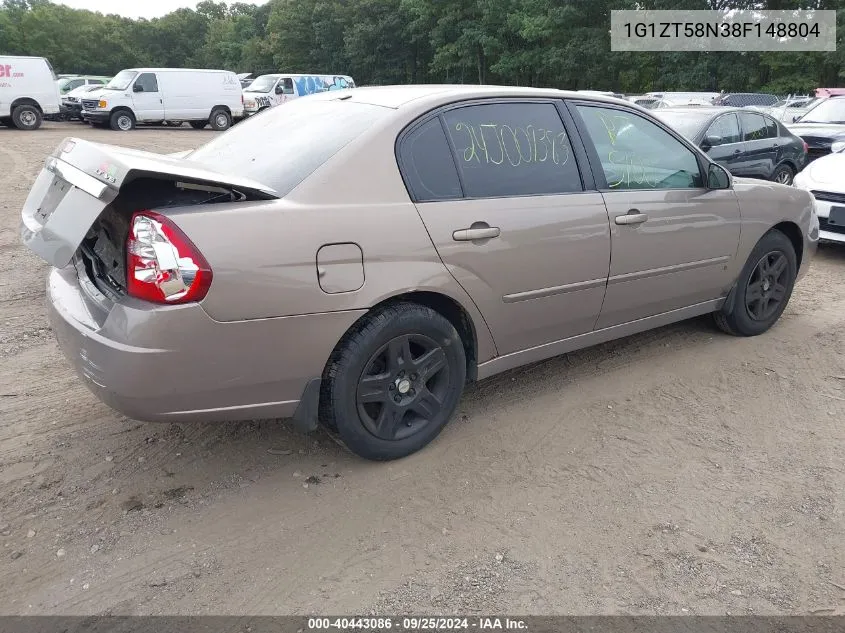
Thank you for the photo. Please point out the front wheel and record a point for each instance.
(122, 120)
(783, 174)
(26, 117)
(220, 120)
(763, 288)
(394, 381)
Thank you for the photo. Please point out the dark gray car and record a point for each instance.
(747, 143)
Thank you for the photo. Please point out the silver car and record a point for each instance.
(355, 258)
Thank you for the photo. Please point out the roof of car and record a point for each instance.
(712, 110)
(398, 96)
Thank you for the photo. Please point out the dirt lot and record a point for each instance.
(680, 471)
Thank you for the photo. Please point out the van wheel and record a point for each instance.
(122, 121)
(199, 125)
(393, 383)
(220, 120)
(26, 117)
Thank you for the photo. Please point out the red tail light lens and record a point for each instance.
(806, 147)
(162, 264)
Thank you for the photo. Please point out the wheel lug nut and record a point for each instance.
(402, 374)
(397, 398)
(413, 376)
(392, 386)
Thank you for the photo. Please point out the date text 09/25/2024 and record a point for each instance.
(416, 624)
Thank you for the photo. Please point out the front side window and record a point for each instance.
(753, 126)
(726, 127)
(148, 82)
(636, 153)
(287, 86)
(512, 149)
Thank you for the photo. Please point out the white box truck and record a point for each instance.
(28, 91)
(162, 95)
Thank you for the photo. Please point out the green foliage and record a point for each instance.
(559, 43)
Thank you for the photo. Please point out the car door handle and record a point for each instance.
(737, 151)
(478, 231)
(632, 217)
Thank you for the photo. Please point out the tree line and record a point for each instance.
(551, 43)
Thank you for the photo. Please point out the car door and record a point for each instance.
(730, 150)
(147, 99)
(499, 187)
(672, 239)
(760, 149)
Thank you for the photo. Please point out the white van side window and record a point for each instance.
(147, 82)
(287, 86)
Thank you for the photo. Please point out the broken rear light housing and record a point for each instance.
(162, 264)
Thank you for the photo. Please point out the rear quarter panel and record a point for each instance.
(264, 254)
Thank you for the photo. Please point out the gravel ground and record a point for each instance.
(675, 472)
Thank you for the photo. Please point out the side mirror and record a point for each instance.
(711, 140)
(137, 88)
(280, 89)
(795, 118)
(718, 177)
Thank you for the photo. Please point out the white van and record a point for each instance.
(28, 91)
(272, 90)
(162, 95)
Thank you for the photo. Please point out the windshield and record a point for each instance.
(305, 134)
(828, 111)
(264, 83)
(121, 80)
(687, 123)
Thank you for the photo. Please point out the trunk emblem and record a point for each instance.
(107, 172)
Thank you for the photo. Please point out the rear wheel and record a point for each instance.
(122, 120)
(220, 120)
(394, 382)
(26, 117)
(763, 289)
(784, 174)
(199, 125)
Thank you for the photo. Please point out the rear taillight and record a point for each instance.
(162, 264)
(806, 147)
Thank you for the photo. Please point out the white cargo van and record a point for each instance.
(160, 95)
(28, 91)
(272, 90)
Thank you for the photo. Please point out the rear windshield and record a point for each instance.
(282, 146)
(687, 123)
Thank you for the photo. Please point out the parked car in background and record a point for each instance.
(644, 101)
(71, 107)
(603, 93)
(72, 82)
(680, 103)
(745, 99)
(28, 91)
(683, 96)
(245, 79)
(268, 91)
(824, 179)
(746, 142)
(163, 95)
(787, 110)
(822, 126)
(230, 284)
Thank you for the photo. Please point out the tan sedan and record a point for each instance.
(355, 259)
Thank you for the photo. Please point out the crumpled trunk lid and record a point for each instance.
(80, 179)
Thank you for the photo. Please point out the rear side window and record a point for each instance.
(727, 128)
(772, 130)
(427, 164)
(512, 149)
(753, 126)
(148, 82)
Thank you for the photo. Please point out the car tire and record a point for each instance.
(122, 121)
(26, 117)
(394, 381)
(784, 174)
(199, 125)
(763, 289)
(220, 120)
